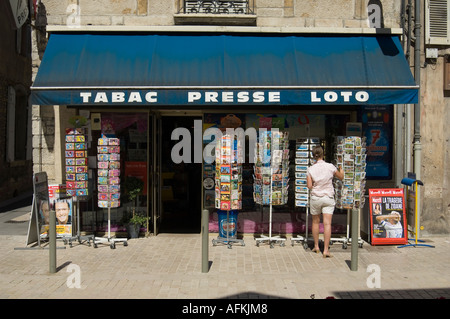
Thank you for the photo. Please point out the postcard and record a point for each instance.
(81, 192)
(102, 165)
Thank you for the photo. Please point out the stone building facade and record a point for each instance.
(272, 16)
(15, 82)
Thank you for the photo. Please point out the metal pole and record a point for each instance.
(355, 238)
(52, 241)
(417, 144)
(205, 235)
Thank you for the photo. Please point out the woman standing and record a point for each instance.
(320, 182)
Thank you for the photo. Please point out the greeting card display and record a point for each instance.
(228, 188)
(351, 156)
(303, 160)
(108, 173)
(76, 163)
(271, 169)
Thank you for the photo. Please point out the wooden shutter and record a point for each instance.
(437, 15)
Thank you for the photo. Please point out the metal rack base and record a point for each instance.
(227, 241)
(271, 240)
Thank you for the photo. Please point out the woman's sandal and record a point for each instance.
(327, 255)
(317, 251)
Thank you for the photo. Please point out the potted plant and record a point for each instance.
(134, 224)
(134, 187)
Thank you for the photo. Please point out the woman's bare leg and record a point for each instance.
(326, 232)
(315, 231)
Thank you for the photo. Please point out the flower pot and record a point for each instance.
(133, 230)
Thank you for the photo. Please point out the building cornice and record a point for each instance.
(223, 29)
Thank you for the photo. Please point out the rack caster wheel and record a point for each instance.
(305, 246)
(344, 246)
(95, 246)
(125, 243)
(360, 245)
(112, 246)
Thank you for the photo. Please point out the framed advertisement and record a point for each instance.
(387, 216)
(378, 127)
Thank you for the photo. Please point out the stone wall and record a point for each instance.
(15, 73)
(270, 13)
(435, 118)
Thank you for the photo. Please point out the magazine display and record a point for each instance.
(271, 170)
(303, 160)
(76, 163)
(228, 188)
(108, 164)
(351, 155)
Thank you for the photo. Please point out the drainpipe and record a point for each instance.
(417, 144)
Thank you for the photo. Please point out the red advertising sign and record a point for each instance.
(138, 170)
(387, 216)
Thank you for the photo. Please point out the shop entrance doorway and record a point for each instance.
(180, 183)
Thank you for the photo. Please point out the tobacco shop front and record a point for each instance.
(164, 97)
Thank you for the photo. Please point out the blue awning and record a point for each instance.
(212, 69)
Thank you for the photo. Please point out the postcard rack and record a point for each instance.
(303, 160)
(77, 177)
(108, 183)
(271, 176)
(228, 185)
(349, 193)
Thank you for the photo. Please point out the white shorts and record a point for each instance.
(323, 205)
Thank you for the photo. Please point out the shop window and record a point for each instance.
(287, 218)
(131, 130)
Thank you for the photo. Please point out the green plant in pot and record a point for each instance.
(134, 187)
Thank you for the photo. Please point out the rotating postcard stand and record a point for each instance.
(77, 178)
(349, 193)
(270, 239)
(303, 160)
(108, 184)
(228, 186)
(271, 176)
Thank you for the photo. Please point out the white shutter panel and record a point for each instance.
(437, 15)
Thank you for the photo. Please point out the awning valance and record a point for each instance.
(212, 69)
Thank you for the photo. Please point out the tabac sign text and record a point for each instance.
(184, 97)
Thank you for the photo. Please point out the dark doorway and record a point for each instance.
(181, 183)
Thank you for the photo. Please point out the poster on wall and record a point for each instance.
(387, 216)
(377, 127)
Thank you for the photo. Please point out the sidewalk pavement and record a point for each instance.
(168, 266)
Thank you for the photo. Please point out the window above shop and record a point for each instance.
(215, 12)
